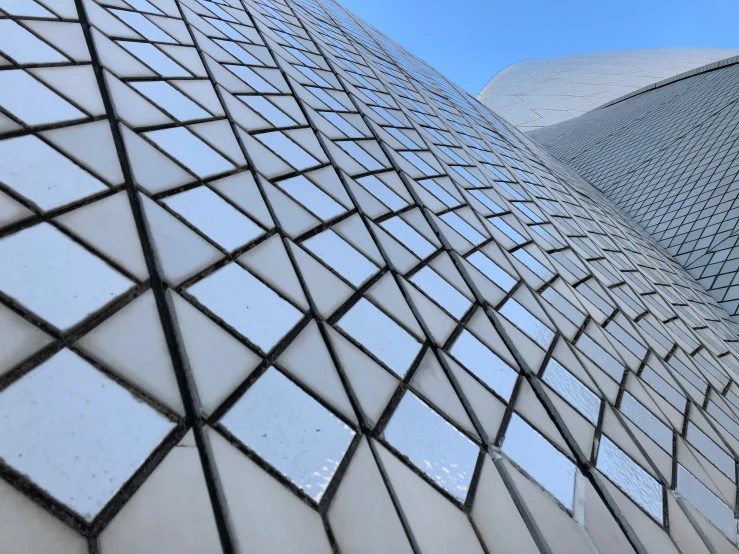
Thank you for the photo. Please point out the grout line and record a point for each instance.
(158, 286)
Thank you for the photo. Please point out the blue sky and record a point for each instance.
(471, 40)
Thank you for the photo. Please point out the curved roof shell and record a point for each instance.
(537, 93)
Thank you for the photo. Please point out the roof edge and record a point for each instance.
(499, 73)
(679, 77)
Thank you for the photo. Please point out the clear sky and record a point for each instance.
(469, 41)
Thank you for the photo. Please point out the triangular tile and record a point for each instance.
(18, 339)
(424, 507)
(108, 226)
(117, 60)
(355, 524)
(439, 324)
(243, 191)
(218, 362)
(92, 145)
(132, 344)
(170, 512)
(11, 210)
(401, 258)
(431, 382)
(373, 386)
(220, 136)
(387, 295)
(77, 83)
(152, 170)
(308, 360)
(327, 291)
(497, 517)
(487, 407)
(292, 217)
(132, 108)
(181, 252)
(266, 162)
(27, 527)
(286, 524)
(270, 261)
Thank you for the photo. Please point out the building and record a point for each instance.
(537, 93)
(270, 284)
(667, 155)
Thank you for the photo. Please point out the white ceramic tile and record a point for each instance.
(261, 104)
(218, 361)
(408, 236)
(387, 340)
(362, 515)
(251, 78)
(326, 289)
(308, 360)
(431, 382)
(558, 528)
(647, 422)
(171, 512)
(373, 386)
(437, 525)
(33, 102)
(291, 431)
(26, 527)
(572, 390)
(248, 305)
(433, 445)
(525, 320)
(632, 479)
(313, 198)
(270, 261)
(463, 228)
(27, 8)
(603, 528)
(360, 155)
(18, 339)
(190, 151)
(11, 210)
(43, 175)
(172, 100)
(530, 450)
(440, 290)
(382, 192)
(708, 503)
(24, 47)
(287, 150)
(131, 344)
(706, 446)
(75, 432)
(497, 517)
(77, 83)
(215, 217)
(491, 270)
(285, 524)
(56, 278)
(92, 145)
(487, 366)
(143, 26)
(180, 251)
(144, 6)
(155, 58)
(108, 225)
(341, 256)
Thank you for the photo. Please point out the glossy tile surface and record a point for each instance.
(269, 283)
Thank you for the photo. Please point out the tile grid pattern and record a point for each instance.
(339, 296)
(668, 157)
